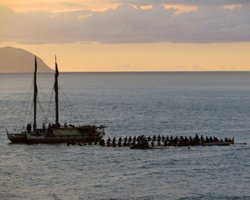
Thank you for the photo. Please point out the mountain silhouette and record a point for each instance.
(15, 60)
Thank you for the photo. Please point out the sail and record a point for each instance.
(56, 93)
(35, 94)
(35, 73)
(56, 72)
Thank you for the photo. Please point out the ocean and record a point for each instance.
(129, 104)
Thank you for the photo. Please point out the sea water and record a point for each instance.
(129, 104)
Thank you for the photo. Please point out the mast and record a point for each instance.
(56, 92)
(35, 94)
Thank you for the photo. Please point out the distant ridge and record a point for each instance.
(15, 60)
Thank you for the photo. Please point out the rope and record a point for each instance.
(45, 117)
(26, 108)
(50, 101)
(70, 106)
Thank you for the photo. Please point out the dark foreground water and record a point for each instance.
(210, 104)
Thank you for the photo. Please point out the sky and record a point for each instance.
(131, 35)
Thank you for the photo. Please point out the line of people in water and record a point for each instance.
(164, 141)
(143, 141)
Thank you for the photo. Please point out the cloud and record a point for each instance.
(128, 24)
(186, 2)
(210, 2)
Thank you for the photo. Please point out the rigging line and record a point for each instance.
(65, 105)
(50, 101)
(69, 105)
(43, 111)
(65, 101)
(73, 112)
(26, 108)
(41, 94)
(26, 111)
(29, 115)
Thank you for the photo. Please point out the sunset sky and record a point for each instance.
(131, 35)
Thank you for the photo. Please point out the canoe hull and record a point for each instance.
(86, 134)
(216, 144)
(17, 138)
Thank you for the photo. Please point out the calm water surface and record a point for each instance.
(210, 104)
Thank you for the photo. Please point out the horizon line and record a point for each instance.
(188, 71)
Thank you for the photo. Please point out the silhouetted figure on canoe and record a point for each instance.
(134, 141)
(114, 142)
(202, 139)
(125, 141)
(158, 138)
(196, 139)
(44, 127)
(28, 128)
(120, 142)
(216, 139)
(229, 140)
(102, 142)
(180, 141)
(185, 141)
(191, 141)
(109, 142)
(142, 143)
(165, 143)
(175, 141)
(129, 140)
